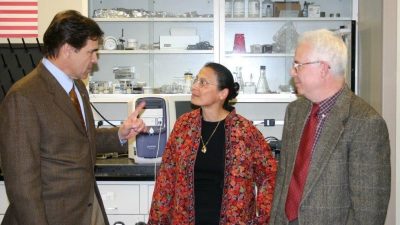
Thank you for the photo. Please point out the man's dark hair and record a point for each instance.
(70, 27)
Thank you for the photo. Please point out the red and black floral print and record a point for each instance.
(249, 180)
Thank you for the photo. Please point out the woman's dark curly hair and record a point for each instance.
(225, 80)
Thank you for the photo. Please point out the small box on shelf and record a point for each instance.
(286, 9)
(314, 10)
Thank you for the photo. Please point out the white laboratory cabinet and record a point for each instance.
(124, 201)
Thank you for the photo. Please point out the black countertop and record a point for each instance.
(124, 169)
(121, 169)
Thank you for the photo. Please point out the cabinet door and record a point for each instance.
(170, 38)
(126, 197)
(253, 41)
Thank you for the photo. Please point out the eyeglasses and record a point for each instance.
(202, 82)
(297, 66)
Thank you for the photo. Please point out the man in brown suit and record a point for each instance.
(48, 145)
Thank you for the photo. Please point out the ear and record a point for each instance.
(66, 50)
(223, 94)
(324, 70)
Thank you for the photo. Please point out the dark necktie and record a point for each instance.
(301, 165)
(75, 102)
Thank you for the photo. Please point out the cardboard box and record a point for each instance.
(287, 9)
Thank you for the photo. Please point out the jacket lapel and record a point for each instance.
(60, 97)
(86, 104)
(331, 133)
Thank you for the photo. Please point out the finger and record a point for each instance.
(138, 109)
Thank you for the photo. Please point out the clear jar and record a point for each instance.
(238, 8)
(187, 89)
(228, 8)
(254, 8)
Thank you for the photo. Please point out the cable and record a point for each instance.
(271, 138)
(97, 111)
(275, 145)
(158, 148)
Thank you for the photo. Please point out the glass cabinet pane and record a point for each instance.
(159, 40)
(264, 33)
(169, 37)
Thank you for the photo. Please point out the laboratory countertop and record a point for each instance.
(124, 169)
(121, 169)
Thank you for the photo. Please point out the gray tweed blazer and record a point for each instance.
(349, 175)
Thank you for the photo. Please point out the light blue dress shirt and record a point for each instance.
(65, 81)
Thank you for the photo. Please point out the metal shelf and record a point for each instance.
(158, 51)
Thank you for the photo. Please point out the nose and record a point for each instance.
(95, 58)
(195, 86)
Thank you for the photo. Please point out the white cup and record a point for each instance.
(132, 43)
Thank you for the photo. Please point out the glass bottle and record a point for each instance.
(254, 8)
(305, 9)
(239, 79)
(238, 8)
(188, 82)
(266, 8)
(262, 84)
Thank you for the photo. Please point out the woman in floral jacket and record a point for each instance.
(217, 167)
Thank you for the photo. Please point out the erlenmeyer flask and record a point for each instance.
(262, 84)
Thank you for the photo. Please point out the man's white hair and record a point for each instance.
(327, 46)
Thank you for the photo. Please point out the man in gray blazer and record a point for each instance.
(347, 174)
(48, 145)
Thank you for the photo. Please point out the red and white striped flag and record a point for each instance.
(18, 18)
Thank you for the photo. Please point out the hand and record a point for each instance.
(132, 125)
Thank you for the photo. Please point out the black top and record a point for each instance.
(209, 174)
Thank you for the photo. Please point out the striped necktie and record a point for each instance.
(75, 102)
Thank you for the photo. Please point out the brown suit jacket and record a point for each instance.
(47, 157)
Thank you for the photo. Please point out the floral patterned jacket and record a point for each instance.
(248, 164)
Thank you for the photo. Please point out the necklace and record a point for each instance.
(204, 148)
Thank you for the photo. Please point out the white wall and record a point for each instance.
(391, 97)
(378, 80)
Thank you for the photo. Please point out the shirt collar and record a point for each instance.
(326, 105)
(63, 79)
